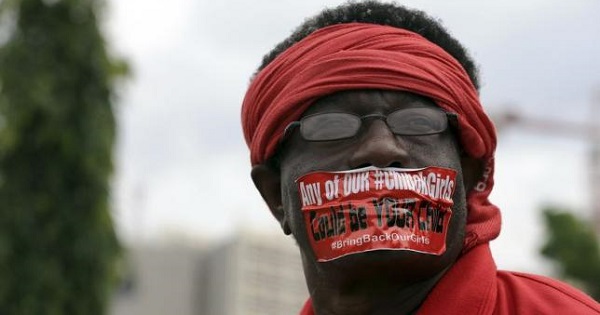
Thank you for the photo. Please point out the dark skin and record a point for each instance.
(378, 282)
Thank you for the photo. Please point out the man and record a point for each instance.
(369, 145)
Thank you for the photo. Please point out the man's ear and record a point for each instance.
(472, 171)
(268, 182)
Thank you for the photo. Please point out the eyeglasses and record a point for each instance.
(403, 122)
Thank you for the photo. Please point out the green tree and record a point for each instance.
(573, 246)
(58, 248)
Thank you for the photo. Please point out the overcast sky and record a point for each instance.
(182, 167)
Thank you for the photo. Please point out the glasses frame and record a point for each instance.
(450, 116)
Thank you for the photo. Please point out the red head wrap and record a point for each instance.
(370, 56)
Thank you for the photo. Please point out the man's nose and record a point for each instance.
(378, 146)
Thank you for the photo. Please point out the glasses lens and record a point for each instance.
(417, 121)
(329, 126)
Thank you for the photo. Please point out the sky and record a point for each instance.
(182, 167)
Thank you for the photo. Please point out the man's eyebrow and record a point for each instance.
(419, 102)
(408, 97)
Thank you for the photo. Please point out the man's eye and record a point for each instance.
(415, 124)
(420, 123)
(330, 126)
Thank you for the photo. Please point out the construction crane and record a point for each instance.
(588, 131)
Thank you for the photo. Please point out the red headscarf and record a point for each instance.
(370, 56)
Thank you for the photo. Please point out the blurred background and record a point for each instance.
(191, 234)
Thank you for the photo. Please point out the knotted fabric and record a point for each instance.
(369, 56)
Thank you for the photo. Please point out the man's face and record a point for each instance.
(374, 145)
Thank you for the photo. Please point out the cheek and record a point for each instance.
(292, 208)
(456, 233)
(441, 152)
(317, 157)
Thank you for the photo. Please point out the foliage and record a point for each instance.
(58, 248)
(574, 247)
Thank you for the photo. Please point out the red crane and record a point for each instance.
(587, 130)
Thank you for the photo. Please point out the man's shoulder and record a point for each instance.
(522, 293)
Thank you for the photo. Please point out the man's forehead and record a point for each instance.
(366, 101)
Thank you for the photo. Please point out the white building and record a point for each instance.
(247, 274)
(255, 274)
